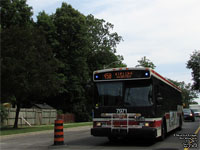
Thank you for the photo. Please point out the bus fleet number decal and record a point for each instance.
(120, 111)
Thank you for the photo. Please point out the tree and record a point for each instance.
(83, 44)
(102, 50)
(28, 67)
(144, 62)
(15, 13)
(57, 54)
(101, 36)
(71, 34)
(28, 64)
(46, 24)
(102, 44)
(194, 64)
(66, 32)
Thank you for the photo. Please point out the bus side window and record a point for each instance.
(157, 90)
(150, 95)
(158, 95)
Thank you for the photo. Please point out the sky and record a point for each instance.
(165, 31)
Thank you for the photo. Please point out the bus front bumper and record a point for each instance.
(132, 132)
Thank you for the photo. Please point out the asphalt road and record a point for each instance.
(80, 139)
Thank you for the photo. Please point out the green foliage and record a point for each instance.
(193, 102)
(46, 25)
(102, 44)
(194, 64)
(71, 34)
(53, 58)
(144, 62)
(59, 112)
(83, 44)
(28, 65)
(15, 12)
(3, 113)
(101, 37)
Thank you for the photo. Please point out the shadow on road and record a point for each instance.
(139, 142)
(102, 141)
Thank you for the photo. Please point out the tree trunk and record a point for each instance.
(17, 116)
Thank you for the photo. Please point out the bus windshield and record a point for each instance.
(126, 93)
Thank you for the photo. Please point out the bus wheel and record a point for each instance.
(163, 131)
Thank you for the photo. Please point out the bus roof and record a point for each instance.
(152, 73)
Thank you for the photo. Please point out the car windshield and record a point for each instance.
(127, 93)
(186, 110)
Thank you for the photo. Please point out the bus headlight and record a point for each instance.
(98, 124)
(146, 124)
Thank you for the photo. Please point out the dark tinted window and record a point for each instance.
(171, 97)
(110, 93)
(126, 93)
(137, 95)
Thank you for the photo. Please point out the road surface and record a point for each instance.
(80, 139)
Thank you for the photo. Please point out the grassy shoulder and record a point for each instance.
(10, 130)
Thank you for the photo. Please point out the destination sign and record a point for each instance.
(122, 74)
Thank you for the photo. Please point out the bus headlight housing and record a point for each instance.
(146, 124)
(98, 124)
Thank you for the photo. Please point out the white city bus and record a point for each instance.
(135, 102)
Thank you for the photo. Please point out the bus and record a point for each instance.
(135, 102)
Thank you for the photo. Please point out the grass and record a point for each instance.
(10, 130)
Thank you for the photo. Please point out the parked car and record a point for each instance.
(188, 114)
(196, 112)
(196, 109)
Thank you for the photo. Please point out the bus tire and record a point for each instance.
(163, 130)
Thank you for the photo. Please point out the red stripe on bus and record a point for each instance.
(167, 116)
(124, 123)
(166, 80)
(157, 123)
(119, 123)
